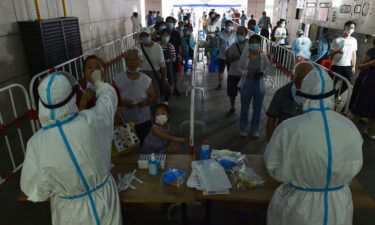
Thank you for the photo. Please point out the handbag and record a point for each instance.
(156, 74)
(125, 139)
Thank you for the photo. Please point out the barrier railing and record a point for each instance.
(192, 89)
(8, 90)
(284, 59)
(112, 53)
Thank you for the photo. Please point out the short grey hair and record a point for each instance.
(301, 67)
(133, 51)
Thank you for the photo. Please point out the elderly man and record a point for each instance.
(227, 38)
(315, 156)
(153, 61)
(69, 160)
(285, 103)
(233, 55)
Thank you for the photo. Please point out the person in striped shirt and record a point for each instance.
(169, 56)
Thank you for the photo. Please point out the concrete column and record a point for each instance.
(255, 7)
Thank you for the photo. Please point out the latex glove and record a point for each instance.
(96, 77)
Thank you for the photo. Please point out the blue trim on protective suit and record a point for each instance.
(317, 189)
(62, 122)
(49, 100)
(317, 109)
(327, 189)
(80, 173)
(87, 193)
(58, 124)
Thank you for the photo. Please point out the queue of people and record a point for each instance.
(314, 187)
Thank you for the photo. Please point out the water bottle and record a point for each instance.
(153, 166)
(205, 151)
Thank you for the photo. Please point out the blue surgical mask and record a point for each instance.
(162, 28)
(132, 71)
(165, 38)
(297, 99)
(254, 47)
(240, 38)
(170, 25)
(230, 28)
(146, 40)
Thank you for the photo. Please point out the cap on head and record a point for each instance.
(300, 32)
(145, 30)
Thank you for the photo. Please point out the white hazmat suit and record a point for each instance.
(315, 156)
(69, 160)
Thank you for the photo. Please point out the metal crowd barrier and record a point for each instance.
(112, 53)
(5, 129)
(284, 59)
(192, 89)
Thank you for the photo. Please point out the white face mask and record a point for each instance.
(282, 25)
(349, 31)
(161, 119)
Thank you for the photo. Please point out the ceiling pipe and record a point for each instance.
(39, 18)
(64, 8)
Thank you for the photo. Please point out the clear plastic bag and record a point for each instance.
(243, 176)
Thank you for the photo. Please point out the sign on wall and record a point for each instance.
(300, 4)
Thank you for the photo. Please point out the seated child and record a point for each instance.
(159, 140)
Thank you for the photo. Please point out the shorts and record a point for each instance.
(222, 64)
(175, 66)
(232, 83)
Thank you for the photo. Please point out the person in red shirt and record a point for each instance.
(86, 99)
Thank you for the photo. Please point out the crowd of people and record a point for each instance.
(300, 117)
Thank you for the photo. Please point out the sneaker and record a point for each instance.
(231, 112)
(371, 137)
(218, 87)
(255, 134)
(338, 100)
(243, 133)
(176, 92)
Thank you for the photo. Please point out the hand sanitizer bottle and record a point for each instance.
(153, 166)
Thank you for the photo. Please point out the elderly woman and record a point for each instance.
(137, 92)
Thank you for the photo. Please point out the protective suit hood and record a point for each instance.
(53, 90)
(316, 83)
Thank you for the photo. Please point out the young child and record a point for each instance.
(159, 140)
(138, 93)
(87, 98)
(170, 57)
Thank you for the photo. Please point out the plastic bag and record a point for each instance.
(216, 154)
(243, 176)
(227, 162)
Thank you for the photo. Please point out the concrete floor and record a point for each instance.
(221, 132)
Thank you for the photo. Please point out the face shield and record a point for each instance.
(57, 99)
(317, 91)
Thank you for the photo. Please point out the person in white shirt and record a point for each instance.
(234, 73)
(281, 33)
(136, 90)
(136, 23)
(343, 50)
(156, 69)
(227, 38)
